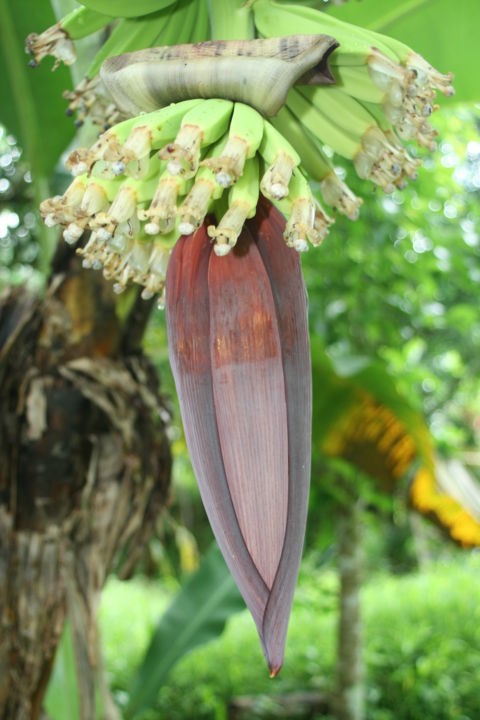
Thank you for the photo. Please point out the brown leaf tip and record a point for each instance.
(274, 670)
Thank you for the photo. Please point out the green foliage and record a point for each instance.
(18, 217)
(401, 283)
(197, 614)
(337, 384)
(424, 642)
(440, 30)
(422, 645)
(31, 104)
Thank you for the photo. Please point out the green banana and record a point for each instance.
(205, 190)
(162, 213)
(242, 204)
(131, 193)
(244, 138)
(374, 155)
(316, 164)
(154, 281)
(125, 8)
(357, 82)
(275, 18)
(57, 40)
(306, 219)
(422, 73)
(129, 35)
(281, 160)
(129, 141)
(201, 126)
(341, 109)
(231, 20)
(84, 21)
(201, 28)
(341, 141)
(391, 94)
(152, 130)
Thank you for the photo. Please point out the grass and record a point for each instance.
(422, 647)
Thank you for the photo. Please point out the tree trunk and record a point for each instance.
(350, 668)
(84, 471)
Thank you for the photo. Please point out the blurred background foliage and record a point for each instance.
(400, 288)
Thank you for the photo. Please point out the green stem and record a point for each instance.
(231, 20)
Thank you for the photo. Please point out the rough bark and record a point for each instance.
(84, 472)
(350, 664)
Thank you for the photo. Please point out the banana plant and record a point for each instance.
(361, 418)
(236, 306)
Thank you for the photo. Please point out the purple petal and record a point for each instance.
(284, 269)
(187, 313)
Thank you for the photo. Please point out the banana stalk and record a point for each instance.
(239, 349)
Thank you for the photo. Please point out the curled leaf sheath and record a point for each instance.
(239, 350)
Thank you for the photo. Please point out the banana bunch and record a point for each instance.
(384, 93)
(134, 26)
(150, 179)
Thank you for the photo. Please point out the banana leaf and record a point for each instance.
(360, 417)
(340, 387)
(197, 614)
(31, 103)
(443, 31)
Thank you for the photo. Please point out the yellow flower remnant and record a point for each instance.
(373, 439)
(429, 499)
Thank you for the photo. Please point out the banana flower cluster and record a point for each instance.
(207, 203)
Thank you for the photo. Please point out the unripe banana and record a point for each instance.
(57, 40)
(201, 27)
(423, 74)
(341, 141)
(318, 167)
(356, 82)
(125, 8)
(340, 108)
(277, 18)
(242, 204)
(162, 213)
(129, 141)
(145, 80)
(374, 155)
(306, 217)
(205, 190)
(84, 21)
(201, 126)
(130, 34)
(281, 159)
(244, 137)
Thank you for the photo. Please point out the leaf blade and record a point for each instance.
(31, 103)
(197, 614)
